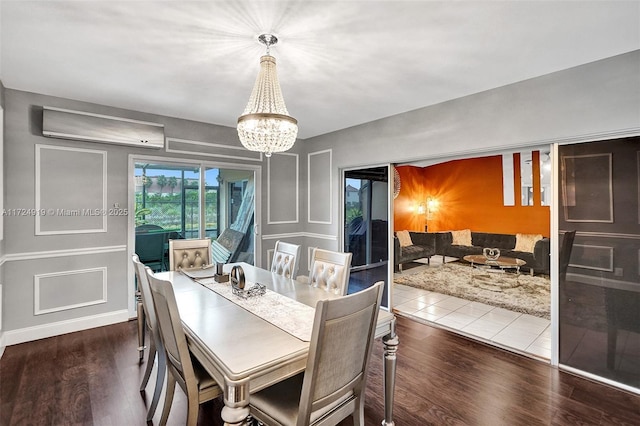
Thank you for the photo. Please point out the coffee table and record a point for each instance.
(479, 263)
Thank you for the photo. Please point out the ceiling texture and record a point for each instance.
(340, 63)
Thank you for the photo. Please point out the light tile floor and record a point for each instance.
(501, 327)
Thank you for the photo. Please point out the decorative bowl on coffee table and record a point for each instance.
(491, 253)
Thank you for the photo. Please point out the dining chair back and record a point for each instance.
(149, 320)
(184, 370)
(188, 254)
(330, 271)
(332, 386)
(286, 258)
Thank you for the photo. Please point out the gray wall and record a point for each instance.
(62, 282)
(589, 102)
(300, 189)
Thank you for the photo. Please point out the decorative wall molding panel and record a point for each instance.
(283, 171)
(65, 204)
(14, 337)
(63, 253)
(64, 290)
(319, 187)
(600, 257)
(286, 235)
(207, 149)
(269, 258)
(89, 127)
(310, 257)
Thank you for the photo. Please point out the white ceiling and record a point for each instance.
(340, 63)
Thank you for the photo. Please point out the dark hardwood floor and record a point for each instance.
(92, 378)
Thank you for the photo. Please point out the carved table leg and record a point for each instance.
(236, 402)
(390, 342)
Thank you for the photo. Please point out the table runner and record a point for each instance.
(285, 313)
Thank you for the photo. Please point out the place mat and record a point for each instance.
(285, 313)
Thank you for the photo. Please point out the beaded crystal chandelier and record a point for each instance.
(265, 125)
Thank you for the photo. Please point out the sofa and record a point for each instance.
(423, 246)
(427, 244)
(537, 260)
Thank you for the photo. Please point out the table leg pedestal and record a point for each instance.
(390, 342)
(236, 402)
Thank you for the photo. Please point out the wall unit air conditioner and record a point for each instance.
(84, 126)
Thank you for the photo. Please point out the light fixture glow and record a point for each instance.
(265, 125)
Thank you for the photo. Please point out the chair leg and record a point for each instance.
(168, 399)
(141, 328)
(358, 413)
(192, 410)
(157, 390)
(150, 361)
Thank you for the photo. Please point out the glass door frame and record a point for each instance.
(203, 165)
(341, 219)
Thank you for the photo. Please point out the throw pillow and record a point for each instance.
(404, 238)
(462, 237)
(526, 242)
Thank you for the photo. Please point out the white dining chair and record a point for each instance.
(332, 387)
(197, 384)
(189, 254)
(285, 260)
(330, 271)
(155, 342)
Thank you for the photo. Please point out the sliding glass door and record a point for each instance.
(599, 286)
(174, 201)
(366, 225)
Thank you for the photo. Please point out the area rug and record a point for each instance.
(530, 296)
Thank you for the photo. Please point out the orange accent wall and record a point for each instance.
(469, 194)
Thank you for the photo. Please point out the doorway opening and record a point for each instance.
(366, 226)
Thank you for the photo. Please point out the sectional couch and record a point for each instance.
(424, 246)
(441, 243)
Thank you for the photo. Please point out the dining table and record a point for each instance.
(249, 343)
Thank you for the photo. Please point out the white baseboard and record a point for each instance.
(28, 334)
(2, 344)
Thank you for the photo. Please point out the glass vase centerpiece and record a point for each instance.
(491, 253)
